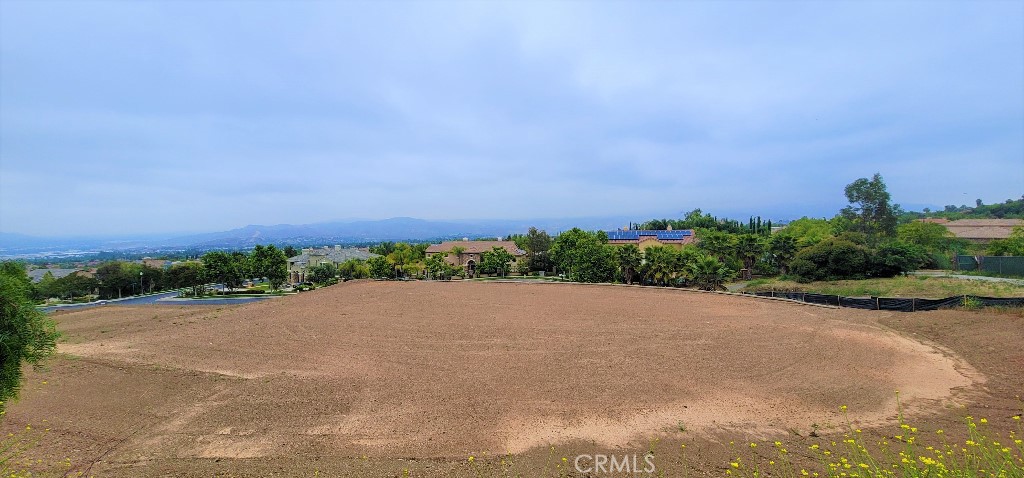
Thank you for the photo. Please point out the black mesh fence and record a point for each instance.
(899, 304)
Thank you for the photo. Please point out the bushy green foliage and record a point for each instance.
(381, 268)
(274, 266)
(928, 235)
(438, 268)
(808, 232)
(781, 250)
(697, 219)
(496, 260)
(383, 249)
(67, 287)
(895, 258)
(831, 259)
(323, 273)
(749, 248)
(708, 273)
(1011, 246)
(188, 274)
(661, 265)
(26, 334)
(628, 257)
(353, 269)
(537, 245)
(584, 256)
(224, 268)
(844, 258)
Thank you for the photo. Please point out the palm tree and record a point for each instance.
(659, 264)
(749, 247)
(629, 258)
(709, 273)
(782, 247)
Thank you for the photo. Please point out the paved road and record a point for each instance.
(166, 298)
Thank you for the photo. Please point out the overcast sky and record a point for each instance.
(146, 117)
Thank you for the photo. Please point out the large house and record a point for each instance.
(647, 238)
(36, 275)
(979, 231)
(298, 266)
(472, 253)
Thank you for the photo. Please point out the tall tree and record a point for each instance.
(871, 210)
(290, 251)
(584, 256)
(26, 334)
(188, 274)
(402, 255)
(537, 243)
(749, 247)
(114, 276)
(224, 268)
(275, 267)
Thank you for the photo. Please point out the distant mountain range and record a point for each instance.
(394, 229)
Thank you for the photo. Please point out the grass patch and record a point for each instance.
(910, 286)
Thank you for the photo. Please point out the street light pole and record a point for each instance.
(142, 289)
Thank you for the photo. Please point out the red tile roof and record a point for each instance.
(477, 247)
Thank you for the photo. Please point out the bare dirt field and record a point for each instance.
(380, 378)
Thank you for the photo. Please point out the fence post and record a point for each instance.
(877, 307)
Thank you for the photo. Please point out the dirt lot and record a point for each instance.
(376, 378)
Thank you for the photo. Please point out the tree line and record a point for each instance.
(117, 279)
(865, 239)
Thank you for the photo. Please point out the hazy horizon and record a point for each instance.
(155, 118)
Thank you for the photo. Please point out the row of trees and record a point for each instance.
(328, 272)
(865, 239)
(112, 280)
(698, 219)
(1010, 209)
(399, 264)
(233, 268)
(584, 256)
(116, 279)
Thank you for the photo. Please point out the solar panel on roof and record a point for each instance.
(633, 235)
